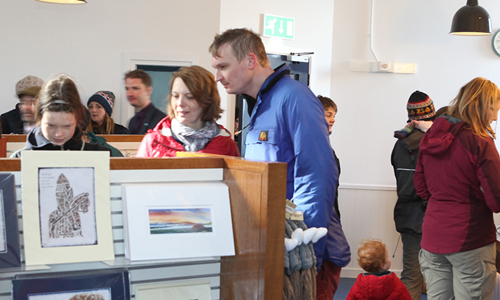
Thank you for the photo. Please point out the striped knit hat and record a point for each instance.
(105, 98)
(420, 106)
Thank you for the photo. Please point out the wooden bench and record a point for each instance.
(127, 144)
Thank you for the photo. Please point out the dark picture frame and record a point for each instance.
(10, 256)
(117, 280)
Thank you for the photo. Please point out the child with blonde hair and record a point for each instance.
(378, 283)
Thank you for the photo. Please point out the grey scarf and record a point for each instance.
(194, 140)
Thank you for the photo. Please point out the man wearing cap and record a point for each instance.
(410, 208)
(138, 85)
(22, 118)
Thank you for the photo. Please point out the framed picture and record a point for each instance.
(96, 285)
(9, 232)
(66, 207)
(177, 220)
(179, 290)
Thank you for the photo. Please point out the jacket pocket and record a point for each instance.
(262, 144)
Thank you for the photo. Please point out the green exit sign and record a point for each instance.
(280, 27)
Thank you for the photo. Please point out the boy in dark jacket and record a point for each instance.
(409, 209)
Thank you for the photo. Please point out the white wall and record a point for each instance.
(313, 32)
(373, 105)
(87, 41)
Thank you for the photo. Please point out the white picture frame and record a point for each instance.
(77, 167)
(194, 220)
(177, 290)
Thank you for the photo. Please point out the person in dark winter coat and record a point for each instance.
(330, 113)
(193, 108)
(21, 119)
(409, 209)
(90, 137)
(329, 275)
(100, 106)
(458, 172)
(11, 121)
(58, 112)
(379, 283)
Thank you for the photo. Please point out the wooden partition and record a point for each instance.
(3, 147)
(257, 192)
(13, 142)
(127, 144)
(21, 138)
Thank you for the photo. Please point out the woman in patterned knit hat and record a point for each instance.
(100, 106)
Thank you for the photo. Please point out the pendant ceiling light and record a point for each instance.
(64, 1)
(471, 19)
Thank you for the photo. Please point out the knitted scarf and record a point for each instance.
(194, 140)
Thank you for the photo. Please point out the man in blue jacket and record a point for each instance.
(287, 124)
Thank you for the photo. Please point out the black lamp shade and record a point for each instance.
(471, 19)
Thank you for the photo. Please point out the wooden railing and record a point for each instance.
(127, 144)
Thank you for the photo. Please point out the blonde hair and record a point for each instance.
(371, 255)
(107, 126)
(473, 105)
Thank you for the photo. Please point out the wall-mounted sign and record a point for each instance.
(280, 27)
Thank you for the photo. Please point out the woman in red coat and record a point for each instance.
(458, 171)
(190, 126)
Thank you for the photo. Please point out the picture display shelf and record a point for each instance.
(255, 190)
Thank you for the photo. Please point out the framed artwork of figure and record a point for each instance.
(66, 211)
